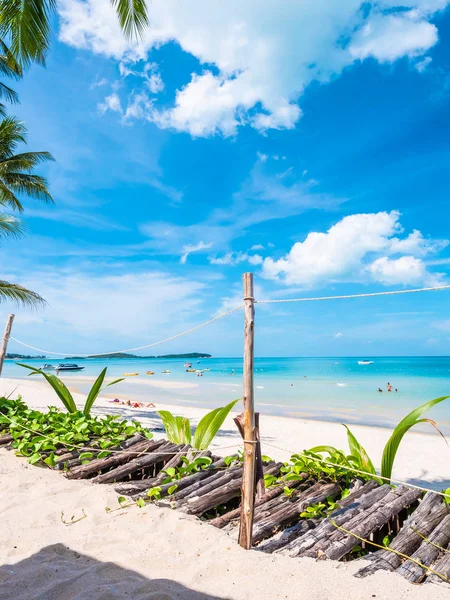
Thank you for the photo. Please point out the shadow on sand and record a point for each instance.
(58, 573)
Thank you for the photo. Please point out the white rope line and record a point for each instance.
(371, 475)
(173, 337)
(368, 295)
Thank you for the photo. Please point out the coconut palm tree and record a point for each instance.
(26, 24)
(18, 180)
(9, 67)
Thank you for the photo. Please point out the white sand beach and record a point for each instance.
(149, 553)
(159, 554)
(423, 459)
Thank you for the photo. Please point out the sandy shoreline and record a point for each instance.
(150, 553)
(422, 459)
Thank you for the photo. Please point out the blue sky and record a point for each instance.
(305, 142)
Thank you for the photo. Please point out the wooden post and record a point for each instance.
(248, 476)
(5, 340)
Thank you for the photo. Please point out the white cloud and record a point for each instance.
(405, 270)
(354, 248)
(338, 334)
(112, 103)
(423, 64)
(98, 82)
(91, 312)
(189, 248)
(389, 37)
(234, 258)
(257, 247)
(264, 57)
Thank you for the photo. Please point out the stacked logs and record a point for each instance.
(213, 493)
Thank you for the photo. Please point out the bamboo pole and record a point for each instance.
(5, 340)
(248, 476)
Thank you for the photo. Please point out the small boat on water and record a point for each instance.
(130, 374)
(47, 367)
(187, 365)
(365, 362)
(150, 373)
(69, 367)
(166, 371)
(190, 370)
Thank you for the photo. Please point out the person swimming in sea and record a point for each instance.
(389, 387)
(380, 390)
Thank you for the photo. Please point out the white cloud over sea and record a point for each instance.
(256, 59)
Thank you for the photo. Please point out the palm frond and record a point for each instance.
(132, 16)
(7, 197)
(24, 161)
(33, 186)
(10, 226)
(8, 63)
(19, 294)
(26, 23)
(12, 133)
(8, 94)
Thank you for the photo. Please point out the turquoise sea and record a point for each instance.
(332, 389)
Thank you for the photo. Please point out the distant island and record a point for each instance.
(125, 355)
(21, 356)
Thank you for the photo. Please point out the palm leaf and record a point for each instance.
(413, 418)
(19, 294)
(209, 426)
(27, 24)
(132, 16)
(62, 392)
(10, 226)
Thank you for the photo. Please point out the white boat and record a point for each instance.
(365, 362)
(187, 365)
(47, 367)
(69, 367)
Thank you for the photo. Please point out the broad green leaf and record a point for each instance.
(209, 426)
(62, 392)
(391, 448)
(360, 453)
(94, 392)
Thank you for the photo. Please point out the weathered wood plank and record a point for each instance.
(224, 493)
(443, 568)
(155, 454)
(129, 488)
(131, 448)
(372, 520)
(296, 532)
(269, 495)
(290, 511)
(427, 552)
(6, 438)
(424, 519)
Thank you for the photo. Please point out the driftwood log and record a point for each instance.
(427, 552)
(314, 543)
(286, 538)
(371, 520)
(133, 487)
(443, 568)
(290, 511)
(159, 452)
(230, 488)
(129, 450)
(270, 494)
(424, 519)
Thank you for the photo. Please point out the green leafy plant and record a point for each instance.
(38, 435)
(178, 429)
(447, 496)
(359, 459)
(65, 396)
